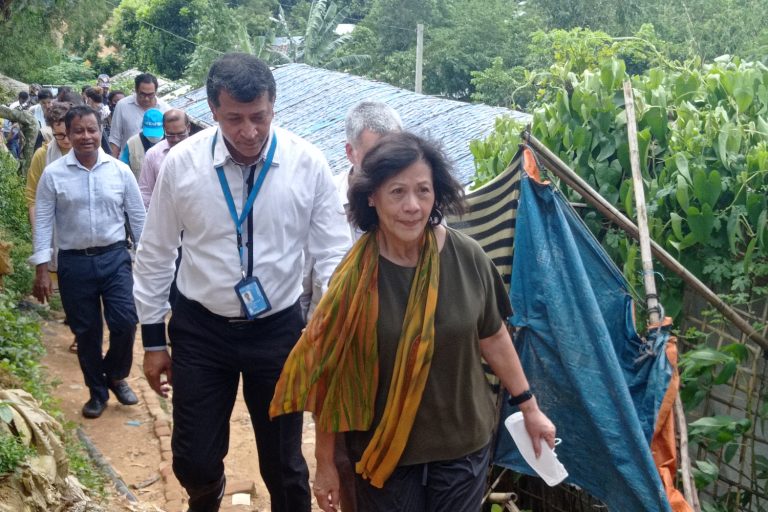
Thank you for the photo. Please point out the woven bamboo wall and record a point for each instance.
(745, 396)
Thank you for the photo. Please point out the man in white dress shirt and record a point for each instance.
(128, 115)
(239, 281)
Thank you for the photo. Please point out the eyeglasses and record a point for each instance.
(182, 135)
(146, 95)
(59, 136)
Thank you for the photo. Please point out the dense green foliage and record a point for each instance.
(704, 158)
(463, 38)
(14, 226)
(704, 149)
(554, 59)
(32, 35)
(12, 452)
(73, 72)
(218, 31)
(20, 347)
(156, 36)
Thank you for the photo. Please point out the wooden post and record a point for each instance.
(649, 281)
(419, 55)
(689, 486)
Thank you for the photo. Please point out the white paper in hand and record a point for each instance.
(547, 466)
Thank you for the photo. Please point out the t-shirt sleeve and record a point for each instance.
(497, 305)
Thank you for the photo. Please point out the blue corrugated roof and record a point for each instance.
(313, 102)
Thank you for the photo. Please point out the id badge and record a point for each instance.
(252, 297)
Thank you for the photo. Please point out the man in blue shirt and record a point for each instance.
(88, 195)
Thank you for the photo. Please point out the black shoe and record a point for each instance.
(123, 392)
(93, 408)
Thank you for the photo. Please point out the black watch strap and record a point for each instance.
(153, 335)
(519, 399)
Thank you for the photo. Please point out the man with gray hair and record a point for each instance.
(365, 124)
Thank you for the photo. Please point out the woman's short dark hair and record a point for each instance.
(392, 154)
(243, 76)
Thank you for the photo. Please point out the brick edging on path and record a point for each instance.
(175, 497)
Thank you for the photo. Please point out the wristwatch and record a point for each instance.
(519, 399)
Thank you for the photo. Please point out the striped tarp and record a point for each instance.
(490, 217)
(490, 220)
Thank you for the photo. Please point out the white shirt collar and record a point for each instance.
(221, 154)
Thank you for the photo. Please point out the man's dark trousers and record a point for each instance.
(209, 353)
(85, 282)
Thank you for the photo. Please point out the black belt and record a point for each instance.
(202, 310)
(94, 251)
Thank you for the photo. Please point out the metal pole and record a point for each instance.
(419, 55)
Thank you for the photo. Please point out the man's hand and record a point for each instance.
(156, 364)
(42, 288)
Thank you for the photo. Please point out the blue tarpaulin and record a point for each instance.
(590, 371)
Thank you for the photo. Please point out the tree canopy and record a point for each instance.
(471, 47)
(37, 34)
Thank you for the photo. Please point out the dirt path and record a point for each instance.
(136, 440)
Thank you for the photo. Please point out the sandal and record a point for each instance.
(73, 347)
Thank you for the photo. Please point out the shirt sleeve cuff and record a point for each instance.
(43, 256)
(153, 336)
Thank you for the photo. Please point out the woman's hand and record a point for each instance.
(326, 486)
(538, 426)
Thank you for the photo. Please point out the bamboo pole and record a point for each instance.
(689, 487)
(654, 311)
(590, 195)
(649, 281)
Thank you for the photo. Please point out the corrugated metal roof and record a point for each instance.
(313, 103)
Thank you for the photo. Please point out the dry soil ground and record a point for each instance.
(135, 440)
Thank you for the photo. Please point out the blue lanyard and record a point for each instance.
(238, 220)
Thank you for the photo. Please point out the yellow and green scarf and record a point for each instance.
(333, 369)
